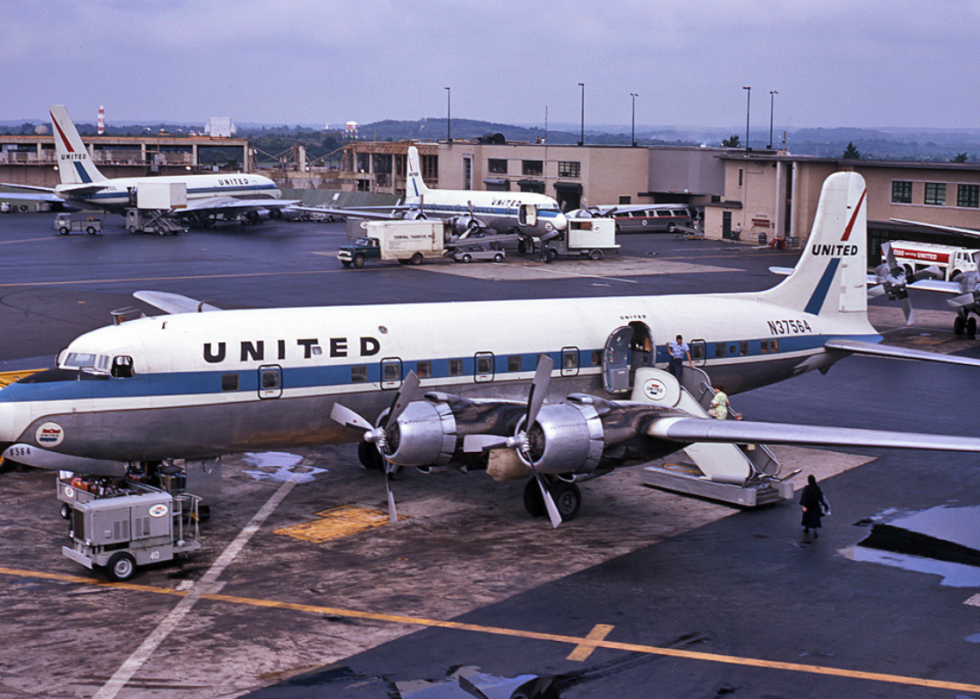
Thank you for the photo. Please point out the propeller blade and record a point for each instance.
(549, 502)
(403, 397)
(392, 512)
(927, 273)
(889, 255)
(908, 310)
(347, 417)
(960, 301)
(876, 291)
(539, 389)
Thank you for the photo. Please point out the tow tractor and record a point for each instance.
(121, 524)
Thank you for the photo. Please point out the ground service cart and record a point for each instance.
(125, 526)
(66, 223)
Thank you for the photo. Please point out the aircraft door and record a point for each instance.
(270, 381)
(616, 361)
(527, 215)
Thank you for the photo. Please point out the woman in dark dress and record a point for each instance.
(813, 504)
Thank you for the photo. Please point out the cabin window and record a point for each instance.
(270, 379)
(596, 358)
(423, 370)
(743, 348)
(774, 345)
(391, 370)
(122, 367)
(455, 367)
(103, 363)
(230, 382)
(484, 364)
(514, 362)
(569, 358)
(720, 350)
(358, 373)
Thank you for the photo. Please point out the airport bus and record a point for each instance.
(646, 218)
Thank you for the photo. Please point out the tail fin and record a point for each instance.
(831, 276)
(74, 162)
(414, 186)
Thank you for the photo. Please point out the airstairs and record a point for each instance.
(746, 475)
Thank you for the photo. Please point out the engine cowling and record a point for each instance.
(423, 435)
(566, 438)
(465, 224)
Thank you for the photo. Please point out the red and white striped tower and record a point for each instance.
(101, 120)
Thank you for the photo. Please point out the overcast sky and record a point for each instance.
(860, 63)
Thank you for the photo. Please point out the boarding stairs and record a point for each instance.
(747, 475)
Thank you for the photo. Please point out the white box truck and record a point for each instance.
(406, 241)
(591, 237)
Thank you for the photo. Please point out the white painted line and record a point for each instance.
(973, 601)
(206, 585)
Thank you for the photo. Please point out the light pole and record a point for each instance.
(581, 140)
(449, 115)
(772, 99)
(633, 120)
(748, 102)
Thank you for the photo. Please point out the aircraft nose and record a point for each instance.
(561, 222)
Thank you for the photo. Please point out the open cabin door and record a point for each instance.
(527, 215)
(616, 361)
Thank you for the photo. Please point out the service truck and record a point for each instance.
(950, 260)
(120, 526)
(592, 237)
(405, 241)
(66, 223)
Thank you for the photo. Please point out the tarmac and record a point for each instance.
(303, 589)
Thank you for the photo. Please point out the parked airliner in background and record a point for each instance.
(445, 385)
(532, 215)
(208, 196)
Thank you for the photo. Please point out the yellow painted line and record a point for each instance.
(8, 377)
(584, 650)
(575, 641)
(336, 523)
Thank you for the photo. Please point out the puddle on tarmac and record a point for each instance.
(943, 541)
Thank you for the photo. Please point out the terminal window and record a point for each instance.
(968, 195)
(532, 167)
(901, 192)
(497, 166)
(935, 194)
(569, 168)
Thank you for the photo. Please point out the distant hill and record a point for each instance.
(936, 145)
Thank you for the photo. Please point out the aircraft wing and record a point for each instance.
(32, 194)
(230, 205)
(949, 229)
(938, 285)
(372, 213)
(694, 429)
(872, 349)
(174, 303)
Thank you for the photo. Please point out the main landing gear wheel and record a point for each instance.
(971, 328)
(369, 457)
(121, 567)
(959, 325)
(567, 496)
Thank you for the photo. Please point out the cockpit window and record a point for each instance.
(79, 360)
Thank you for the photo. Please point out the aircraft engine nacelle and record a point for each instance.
(465, 224)
(428, 435)
(424, 435)
(566, 438)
